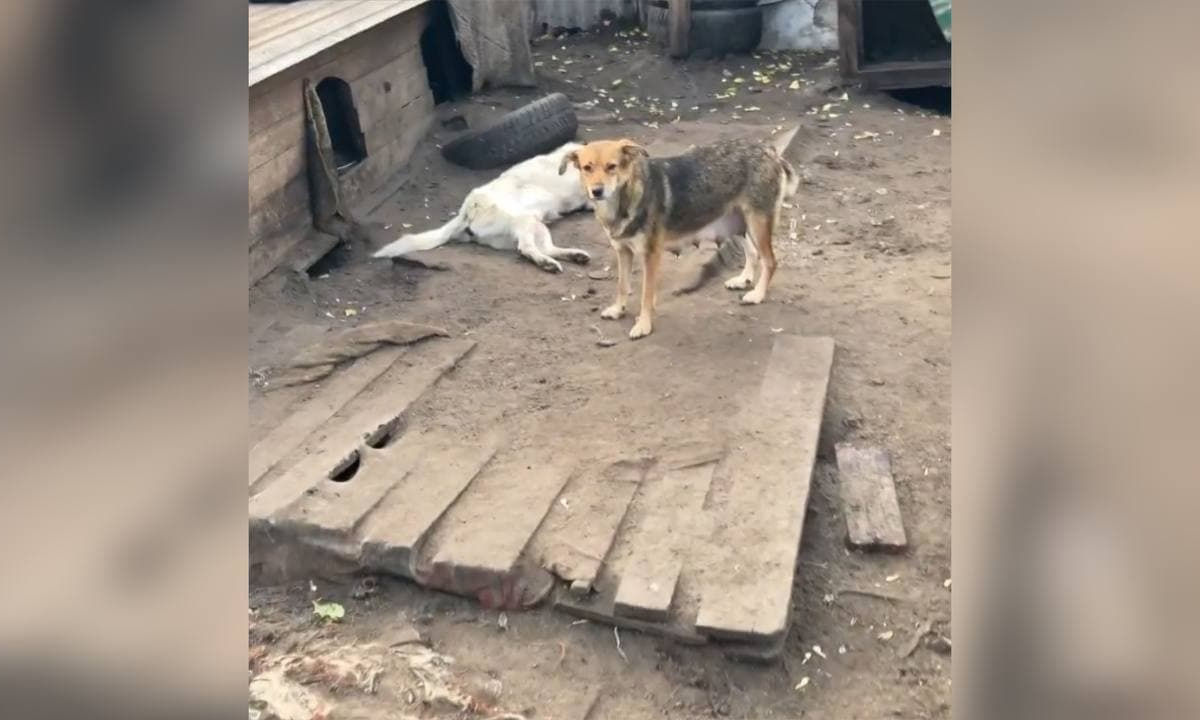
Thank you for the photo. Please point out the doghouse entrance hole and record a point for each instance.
(337, 256)
(448, 72)
(936, 99)
(341, 117)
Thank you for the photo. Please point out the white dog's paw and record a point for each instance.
(741, 282)
(641, 329)
(550, 265)
(613, 312)
(578, 256)
(754, 297)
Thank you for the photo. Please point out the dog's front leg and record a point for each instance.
(616, 311)
(651, 258)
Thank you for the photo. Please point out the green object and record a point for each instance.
(941, 13)
(330, 612)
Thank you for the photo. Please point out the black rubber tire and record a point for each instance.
(719, 27)
(706, 5)
(536, 128)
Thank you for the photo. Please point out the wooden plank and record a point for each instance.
(306, 20)
(600, 609)
(679, 21)
(268, 252)
(280, 53)
(895, 76)
(869, 502)
(333, 395)
(849, 37)
(579, 532)
(647, 586)
(327, 514)
(265, 17)
(475, 550)
(273, 141)
(649, 577)
(337, 443)
(394, 532)
(746, 586)
(407, 80)
(273, 177)
(287, 210)
(274, 101)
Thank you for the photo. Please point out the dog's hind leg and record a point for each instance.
(527, 231)
(761, 226)
(547, 246)
(745, 279)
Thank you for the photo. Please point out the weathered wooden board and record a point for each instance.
(336, 444)
(649, 576)
(868, 492)
(287, 209)
(679, 19)
(382, 93)
(394, 532)
(475, 550)
(327, 514)
(283, 41)
(599, 608)
(746, 585)
(580, 529)
(312, 413)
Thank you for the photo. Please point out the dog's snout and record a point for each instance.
(597, 192)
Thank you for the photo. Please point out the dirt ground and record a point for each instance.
(868, 262)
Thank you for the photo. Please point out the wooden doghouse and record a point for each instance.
(893, 44)
(365, 60)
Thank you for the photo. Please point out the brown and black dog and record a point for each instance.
(646, 205)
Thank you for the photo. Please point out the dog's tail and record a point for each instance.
(427, 240)
(782, 141)
(791, 178)
(781, 144)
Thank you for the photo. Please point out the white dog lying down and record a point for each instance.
(511, 212)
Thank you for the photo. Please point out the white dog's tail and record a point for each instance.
(427, 240)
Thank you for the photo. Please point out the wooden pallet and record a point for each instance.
(698, 543)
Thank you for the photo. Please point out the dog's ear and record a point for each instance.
(631, 150)
(571, 158)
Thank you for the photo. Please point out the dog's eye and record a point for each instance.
(587, 168)
(611, 167)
